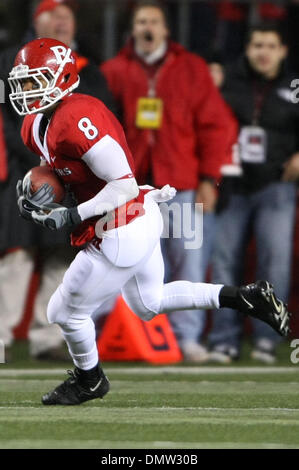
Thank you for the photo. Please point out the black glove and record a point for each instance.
(55, 216)
(28, 202)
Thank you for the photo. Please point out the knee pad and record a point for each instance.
(145, 314)
(66, 299)
(76, 329)
(142, 310)
(57, 311)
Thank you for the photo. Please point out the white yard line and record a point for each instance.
(145, 445)
(156, 370)
(16, 406)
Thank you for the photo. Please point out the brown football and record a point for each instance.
(44, 174)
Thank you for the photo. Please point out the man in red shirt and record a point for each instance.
(178, 129)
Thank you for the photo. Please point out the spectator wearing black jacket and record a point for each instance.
(21, 243)
(262, 200)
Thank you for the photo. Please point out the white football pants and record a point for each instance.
(129, 261)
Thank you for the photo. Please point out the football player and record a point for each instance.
(117, 223)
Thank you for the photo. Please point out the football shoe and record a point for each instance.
(76, 389)
(259, 301)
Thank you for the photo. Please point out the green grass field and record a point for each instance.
(174, 407)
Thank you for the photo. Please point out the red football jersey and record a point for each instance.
(79, 122)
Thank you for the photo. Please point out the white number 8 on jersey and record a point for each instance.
(89, 130)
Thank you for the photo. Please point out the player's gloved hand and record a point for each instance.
(54, 216)
(44, 195)
(28, 202)
(162, 195)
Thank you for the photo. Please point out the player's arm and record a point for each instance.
(107, 160)
(28, 201)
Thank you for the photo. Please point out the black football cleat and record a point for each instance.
(75, 390)
(259, 300)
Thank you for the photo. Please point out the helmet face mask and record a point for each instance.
(42, 93)
(55, 77)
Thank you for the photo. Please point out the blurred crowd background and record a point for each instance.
(203, 26)
(262, 204)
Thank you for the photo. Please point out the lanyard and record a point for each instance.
(260, 94)
(152, 79)
(153, 75)
(152, 85)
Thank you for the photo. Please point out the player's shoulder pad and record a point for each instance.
(77, 104)
(80, 122)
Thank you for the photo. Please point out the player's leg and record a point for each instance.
(88, 283)
(70, 308)
(146, 294)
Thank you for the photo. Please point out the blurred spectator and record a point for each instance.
(22, 243)
(63, 19)
(231, 167)
(235, 17)
(183, 142)
(262, 200)
(217, 73)
(216, 67)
